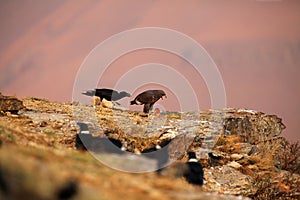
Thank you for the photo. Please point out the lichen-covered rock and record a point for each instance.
(253, 126)
(10, 104)
(234, 165)
(227, 180)
(107, 104)
(96, 101)
(236, 156)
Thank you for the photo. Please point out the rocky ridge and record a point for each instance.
(241, 150)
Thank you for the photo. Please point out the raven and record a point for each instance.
(194, 171)
(148, 99)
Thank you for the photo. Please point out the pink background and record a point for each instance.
(255, 44)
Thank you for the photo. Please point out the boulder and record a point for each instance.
(10, 104)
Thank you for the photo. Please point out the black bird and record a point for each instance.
(214, 159)
(148, 99)
(194, 171)
(108, 94)
(86, 141)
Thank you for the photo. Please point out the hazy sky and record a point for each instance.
(255, 46)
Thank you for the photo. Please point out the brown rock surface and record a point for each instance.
(39, 146)
(10, 104)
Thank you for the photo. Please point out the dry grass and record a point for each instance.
(278, 153)
(265, 156)
(264, 164)
(289, 156)
(229, 143)
(276, 186)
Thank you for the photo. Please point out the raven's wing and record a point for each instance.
(148, 97)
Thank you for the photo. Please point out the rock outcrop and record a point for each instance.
(10, 104)
(241, 150)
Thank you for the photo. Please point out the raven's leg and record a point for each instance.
(146, 108)
(151, 106)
